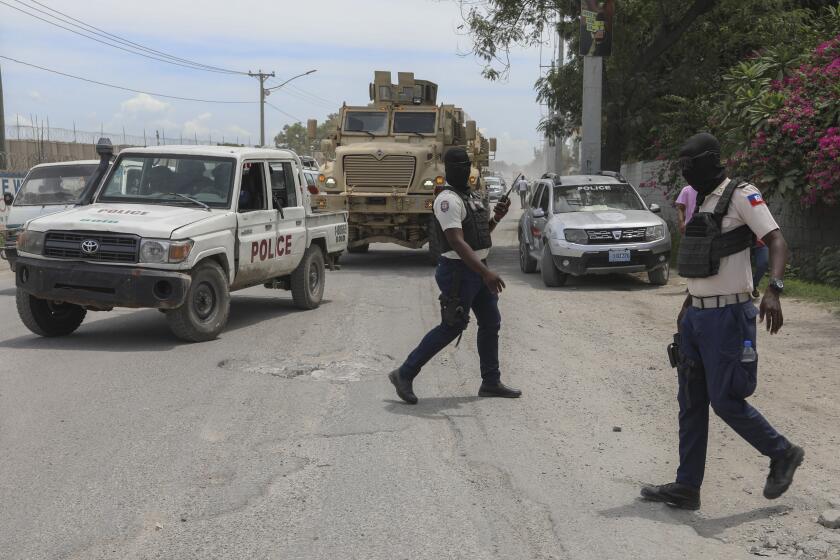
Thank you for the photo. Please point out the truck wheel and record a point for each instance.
(527, 263)
(48, 318)
(207, 307)
(551, 277)
(659, 276)
(308, 279)
(359, 248)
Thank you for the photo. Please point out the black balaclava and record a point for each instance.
(456, 163)
(700, 163)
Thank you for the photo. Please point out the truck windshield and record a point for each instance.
(159, 179)
(54, 184)
(374, 122)
(423, 123)
(595, 198)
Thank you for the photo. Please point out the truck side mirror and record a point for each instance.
(311, 129)
(655, 208)
(471, 130)
(8, 198)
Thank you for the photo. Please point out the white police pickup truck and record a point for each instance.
(178, 228)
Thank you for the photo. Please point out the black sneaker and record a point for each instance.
(781, 472)
(498, 390)
(403, 387)
(674, 494)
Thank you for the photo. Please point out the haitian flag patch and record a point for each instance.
(755, 199)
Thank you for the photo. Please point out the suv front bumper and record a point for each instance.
(595, 259)
(101, 286)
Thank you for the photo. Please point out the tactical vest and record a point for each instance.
(704, 244)
(476, 226)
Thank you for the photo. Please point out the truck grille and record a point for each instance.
(364, 170)
(111, 247)
(615, 235)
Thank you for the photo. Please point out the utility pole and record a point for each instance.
(263, 76)
(2, 126)
(590, 148)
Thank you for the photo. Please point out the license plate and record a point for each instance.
(619, 255)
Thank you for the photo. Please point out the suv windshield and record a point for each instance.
(374, 122)
(54, 184)
(167, 179)
(595, 198)
(414, 122)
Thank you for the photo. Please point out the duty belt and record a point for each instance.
(713, 302)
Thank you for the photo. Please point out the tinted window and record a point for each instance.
(375, 122)
(283, 183)
(252, 193)
(594, 198)
(422, 123)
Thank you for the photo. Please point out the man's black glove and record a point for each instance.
(501, 208)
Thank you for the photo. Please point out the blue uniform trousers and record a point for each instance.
(713, 340)
(474, 295)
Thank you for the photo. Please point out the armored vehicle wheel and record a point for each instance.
(359, 248)
(207, 307)
(308, 279)
(48, 318)
(551, 277)
(659, 276)
(527, 263)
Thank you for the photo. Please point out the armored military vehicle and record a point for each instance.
(385, 162)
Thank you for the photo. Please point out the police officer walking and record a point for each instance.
(717, 324)
(463, 228)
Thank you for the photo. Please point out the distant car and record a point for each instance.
(46, 189)
(495, 188)
(592, 224)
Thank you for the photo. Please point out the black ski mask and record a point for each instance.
(700, 163)
(456, 163)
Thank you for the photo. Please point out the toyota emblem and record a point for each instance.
(617, 234)
(90, 246)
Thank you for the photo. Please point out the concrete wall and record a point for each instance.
(23, 154)
(644, 175)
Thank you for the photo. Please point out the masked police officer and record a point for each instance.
(717, 324)
(463, 227)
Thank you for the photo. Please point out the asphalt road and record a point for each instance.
(283, 439)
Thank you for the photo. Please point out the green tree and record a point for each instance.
(667, 58)
(294, 136)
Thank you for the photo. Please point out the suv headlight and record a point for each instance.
(162, 251)
(576, 236)
(655, 233)
(29, 241)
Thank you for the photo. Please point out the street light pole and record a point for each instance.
(263, 76)
(268, 91)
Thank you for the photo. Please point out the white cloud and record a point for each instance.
(144, 103)
(199, 126)
(35, 95)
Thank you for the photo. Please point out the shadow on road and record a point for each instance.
(146, 330)
(708, 528)
(384, 259)
(432, 408)
(8, 292)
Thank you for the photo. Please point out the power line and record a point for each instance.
(131, 50)
(126, 88)
(278, 109)
(132, 43)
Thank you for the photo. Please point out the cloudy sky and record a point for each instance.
(345, 40)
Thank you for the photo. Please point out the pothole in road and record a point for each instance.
(337, 371)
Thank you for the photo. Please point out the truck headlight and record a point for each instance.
(428, 184)
(330, 183)
(576, 236)
(161, 251)
(655, 233)
(29, 241)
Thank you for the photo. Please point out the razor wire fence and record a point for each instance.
(157, 137)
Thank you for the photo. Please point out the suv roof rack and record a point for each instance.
(613, 174)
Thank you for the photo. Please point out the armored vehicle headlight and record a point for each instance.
(655, 233)
(330, 182)
(428, 184)
(576, 236)
(29, 241)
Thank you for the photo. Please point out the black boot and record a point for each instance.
(498, 390)
(781, 472)
(674, 494)
(403, 387)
